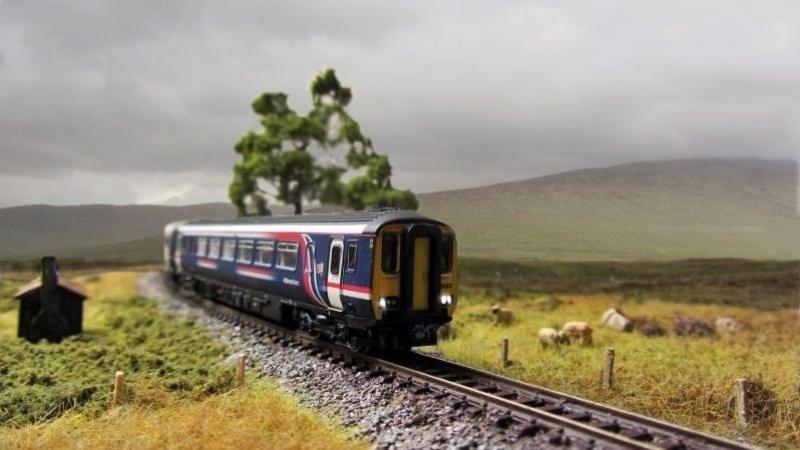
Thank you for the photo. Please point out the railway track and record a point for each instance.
(549, 419)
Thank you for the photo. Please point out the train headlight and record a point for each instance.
(387, 303)
(446, 299)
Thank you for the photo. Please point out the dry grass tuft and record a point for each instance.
(178, 393)
(681, 379)
(248, 418)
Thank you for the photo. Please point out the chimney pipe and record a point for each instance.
(49, 275)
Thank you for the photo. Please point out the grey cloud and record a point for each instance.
(458, 94)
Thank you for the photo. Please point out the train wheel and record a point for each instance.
(356, 342)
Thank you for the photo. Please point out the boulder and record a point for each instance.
(689, 326)
(652, 329)
(728, 325)
(614, 319)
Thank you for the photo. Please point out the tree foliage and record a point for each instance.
(280, 157)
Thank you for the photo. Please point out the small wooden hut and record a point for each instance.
(50, 307)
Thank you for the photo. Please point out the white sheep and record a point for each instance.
(577, 332)
(550, 337)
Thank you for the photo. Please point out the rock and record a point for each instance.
(614, 319)
(689, 326)
(652, 329)
(728, 325)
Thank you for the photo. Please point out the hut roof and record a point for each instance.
(36, 284)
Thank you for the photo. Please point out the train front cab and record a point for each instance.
(415, 280)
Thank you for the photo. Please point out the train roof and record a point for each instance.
(356, 222)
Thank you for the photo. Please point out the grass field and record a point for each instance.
(245, 418)
(678, 379)
(767, 285)
(56, 395)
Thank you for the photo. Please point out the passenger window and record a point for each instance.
(213, 248)
(202, 245)
(350, 261)
(229, 250)
(287, 255)
(336, 259)
(390, 251)
(447, 254)
(245, 252)
(264, 251)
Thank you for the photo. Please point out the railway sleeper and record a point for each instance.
(510, 395)
(672, 444)
(389, 378)
(534, 402)
(454, 377)
(475, 411)
(532, 428)
(423, 389)
(579, 416)
(460, 403)
(505, 421)
(638, 434)
(375, 372)
(488, 388)
(553, 409)
(609, 425)
(557, 437)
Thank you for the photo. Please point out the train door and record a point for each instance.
(335, 274)
(422, 252)
(421, 273)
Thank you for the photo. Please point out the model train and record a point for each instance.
(377, 280)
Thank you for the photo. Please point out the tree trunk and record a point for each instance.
(298, 199)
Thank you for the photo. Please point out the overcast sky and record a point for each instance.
(142, 101)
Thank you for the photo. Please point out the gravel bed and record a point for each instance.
(385, 413)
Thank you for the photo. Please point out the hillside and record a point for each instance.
(30, 230)
(648, 210)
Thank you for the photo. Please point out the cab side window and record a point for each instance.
(350, 257)
(447, 254)
(336, 259)
(390, 253)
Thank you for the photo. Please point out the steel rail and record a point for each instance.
(692, 439)
(415, 367)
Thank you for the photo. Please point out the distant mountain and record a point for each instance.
(647, 210)
(703, 208)
(39, 229)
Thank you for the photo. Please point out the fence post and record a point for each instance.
(504, 353)
(240, 366)
(118, 395)
(608, 369)
(741, 399)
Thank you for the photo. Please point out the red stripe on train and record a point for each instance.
(351, 287)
